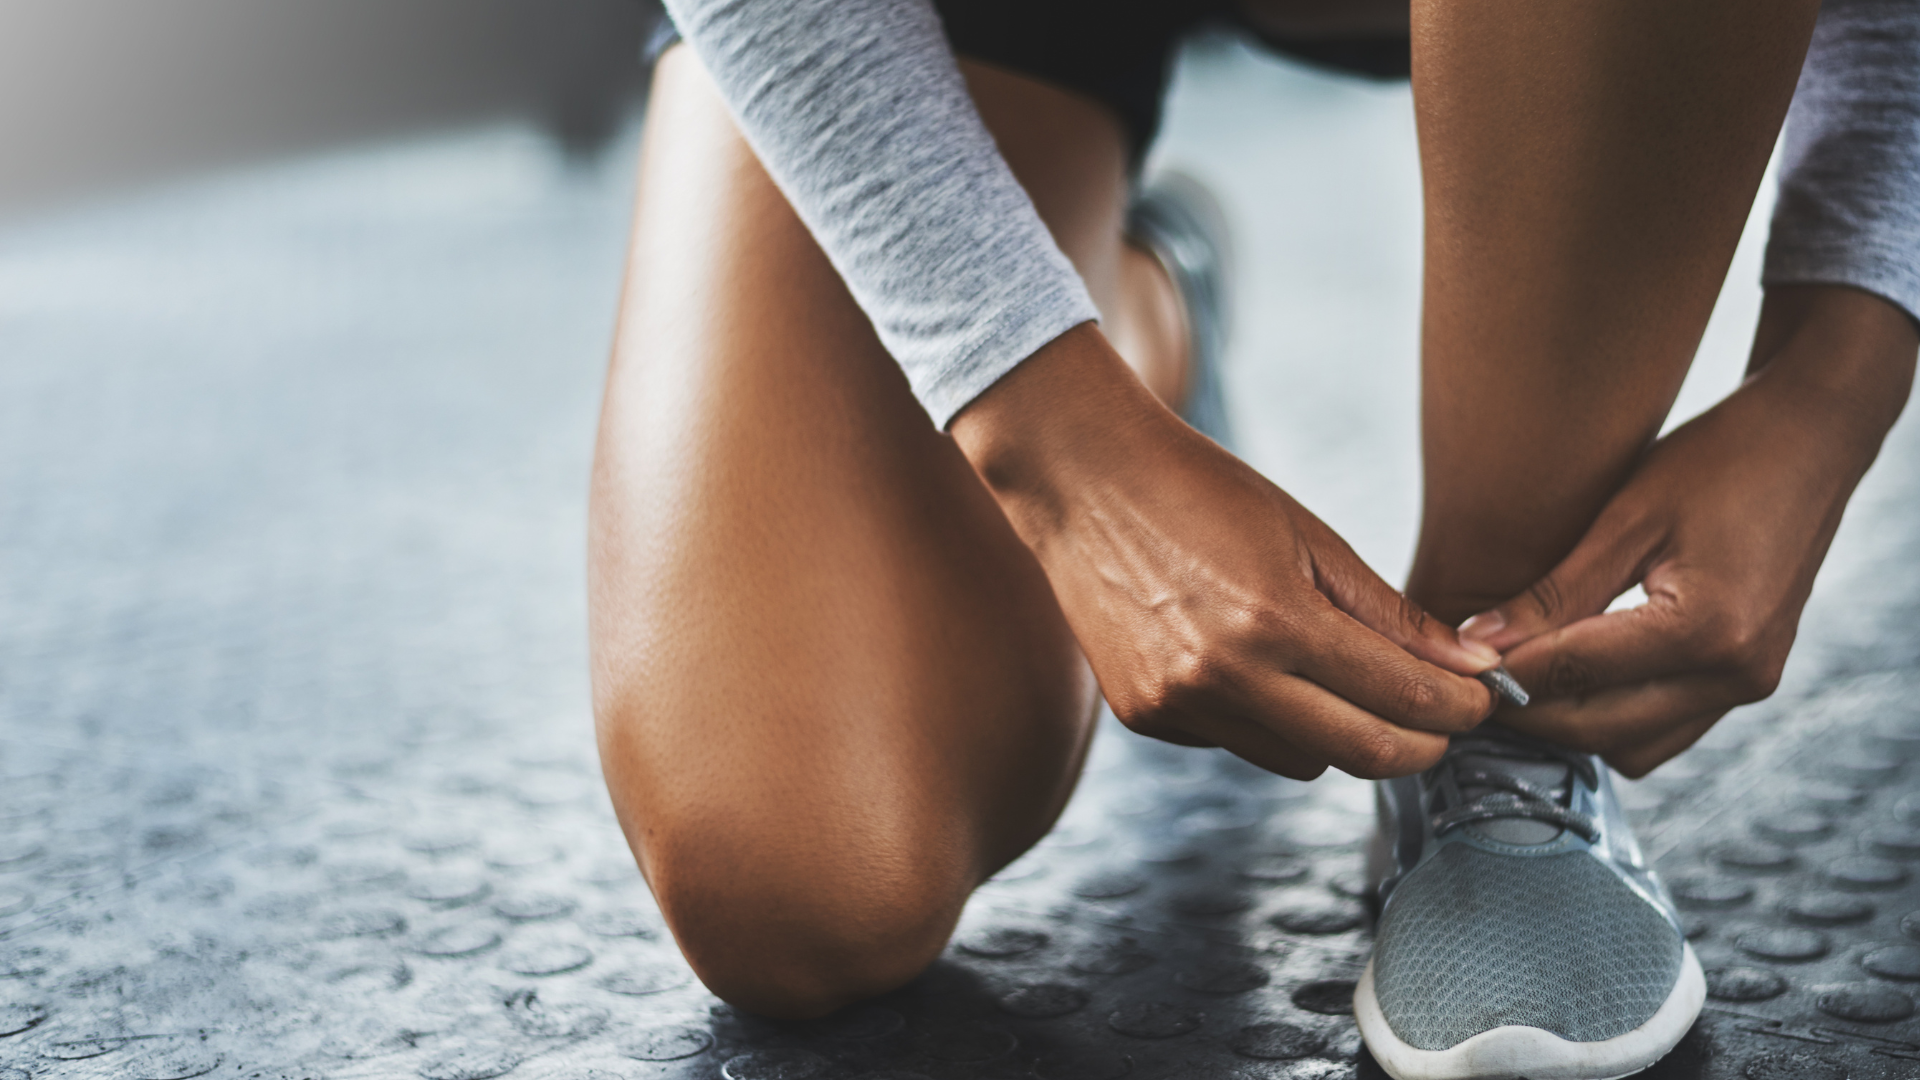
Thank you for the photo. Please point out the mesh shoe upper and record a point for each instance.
(1515, 895)
(1475, 940)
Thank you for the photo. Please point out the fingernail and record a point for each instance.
(1484, 625)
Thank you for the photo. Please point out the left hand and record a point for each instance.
(1724, 523)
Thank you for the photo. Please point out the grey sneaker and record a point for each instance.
(1521, 933)
(1177, 220)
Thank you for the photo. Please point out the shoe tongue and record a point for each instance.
(1554, 776)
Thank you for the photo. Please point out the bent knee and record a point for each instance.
(796, 942)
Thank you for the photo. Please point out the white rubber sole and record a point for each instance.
(1524, 1053)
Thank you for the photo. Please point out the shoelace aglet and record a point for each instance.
(1503, 684)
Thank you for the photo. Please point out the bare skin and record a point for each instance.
(1571, 267)
(1574, 251)
(834, 690)
(844, 665)
(1724, 522)
(1276, 643)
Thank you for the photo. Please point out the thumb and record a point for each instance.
(1605, 563)
(1355, 589)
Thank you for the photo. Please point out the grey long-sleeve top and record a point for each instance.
(858, 111)
(1849, 209)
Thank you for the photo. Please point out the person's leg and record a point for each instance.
(833, 689)
(1588, 168)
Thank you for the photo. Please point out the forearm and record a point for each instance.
(1846, 356)
(1042, 434)
(1849, 206)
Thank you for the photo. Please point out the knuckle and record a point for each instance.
(1257, 629)
(1418, 697)
(1141, 709)
(1747, 638)
(1133, 717)
(1570, 676)
(1726, 640)
(1414, 617)
(1170, 691)
(1184, 679)
(1147, 715)
(1151, 724)
(1758, 678)
(1744, 649)
(1376, 755)
(1547, 598)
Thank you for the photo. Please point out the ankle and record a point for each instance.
(1459, 593)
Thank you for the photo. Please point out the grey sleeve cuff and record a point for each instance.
(1849, 209)
(945, 390)
(1889, 276)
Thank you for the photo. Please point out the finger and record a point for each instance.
(1354, 588)
(1620, 719)
(1252, 742)
(1636, 762)
(1332, 729)
(1617, 649)
(1382, 679)
(1610, 559)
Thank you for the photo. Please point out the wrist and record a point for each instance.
(1036, 434)
(1839, 353)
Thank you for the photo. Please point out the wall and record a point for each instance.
(97, 94)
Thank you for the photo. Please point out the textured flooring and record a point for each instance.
(296, 777)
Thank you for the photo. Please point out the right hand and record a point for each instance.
(1214, 609)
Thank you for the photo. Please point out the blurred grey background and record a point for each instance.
(97, 95)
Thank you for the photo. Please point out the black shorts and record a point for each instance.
(1120, 52)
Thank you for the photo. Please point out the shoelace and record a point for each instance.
(1513, 797)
